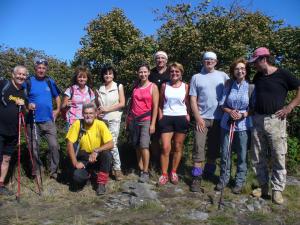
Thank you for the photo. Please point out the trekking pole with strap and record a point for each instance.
(228, 155)
(30, 150)
(19, 154)
(36, 151)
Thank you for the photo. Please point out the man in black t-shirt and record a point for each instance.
(11, 99)
(158, 75)
(269, 132)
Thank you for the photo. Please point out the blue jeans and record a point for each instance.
(240, 145)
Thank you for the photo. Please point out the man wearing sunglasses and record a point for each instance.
(41, 89)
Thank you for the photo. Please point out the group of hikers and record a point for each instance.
(229, 111)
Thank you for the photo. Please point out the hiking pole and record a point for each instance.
(19, 155)
(228, 156)
(36, 151)
(30, 152)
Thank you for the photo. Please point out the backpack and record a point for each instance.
(4, 89)
(47, 79)
(64, 111)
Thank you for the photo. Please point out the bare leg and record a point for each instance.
(4, 167)
(166, 148)
(178, 146)
(145, 158)
(139, 159)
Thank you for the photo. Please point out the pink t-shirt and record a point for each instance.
(142, 101)
(78, 99)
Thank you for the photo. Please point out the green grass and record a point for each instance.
(260, 217)
(222, 219)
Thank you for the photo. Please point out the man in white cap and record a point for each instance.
(158, 75)
(206, 90)
(269, 132)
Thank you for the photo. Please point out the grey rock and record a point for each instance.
(98, 213)
(141, 190)
(292, 181)
(257, 205)
(198, 215)
(47, 222)
(179, 190)
(250, 207)
(243, 200)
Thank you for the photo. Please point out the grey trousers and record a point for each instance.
(47, 130)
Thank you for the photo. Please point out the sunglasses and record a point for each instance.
(41, 61)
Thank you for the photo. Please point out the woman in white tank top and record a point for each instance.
(173, 121)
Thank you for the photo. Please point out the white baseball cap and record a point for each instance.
(209, 55)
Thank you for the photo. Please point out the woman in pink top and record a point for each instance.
(76, 95)
(142, 117)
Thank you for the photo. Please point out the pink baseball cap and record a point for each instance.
(262, 51)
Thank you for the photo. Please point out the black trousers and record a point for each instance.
(103, 164)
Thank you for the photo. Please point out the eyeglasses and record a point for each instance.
(240, 69)
(41, 61)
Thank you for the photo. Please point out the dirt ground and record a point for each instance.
(174, 205)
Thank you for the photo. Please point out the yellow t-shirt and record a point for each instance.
(94, 137)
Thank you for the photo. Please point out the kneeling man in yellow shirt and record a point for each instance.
(92, 153)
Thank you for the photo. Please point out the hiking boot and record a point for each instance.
(53, 175)
(118, 175)
(277, 197)
(237, 190)
(101, 189)
(5, 191)
(162, 180)
(144, 177)
(219, 187)
(262, 192)
(174, 178)
(196, 184)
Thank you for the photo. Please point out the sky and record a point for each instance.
(56, 26)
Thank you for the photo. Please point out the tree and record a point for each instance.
(113, 39)
(10, 57)
(231, 33)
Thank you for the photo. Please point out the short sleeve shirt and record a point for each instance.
(41, 95)
(79, 98)
(208, 88)
(157, 78)
(271, 90)
(95, 136)
(9, 113)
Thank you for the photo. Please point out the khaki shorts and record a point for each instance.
(212, 133)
